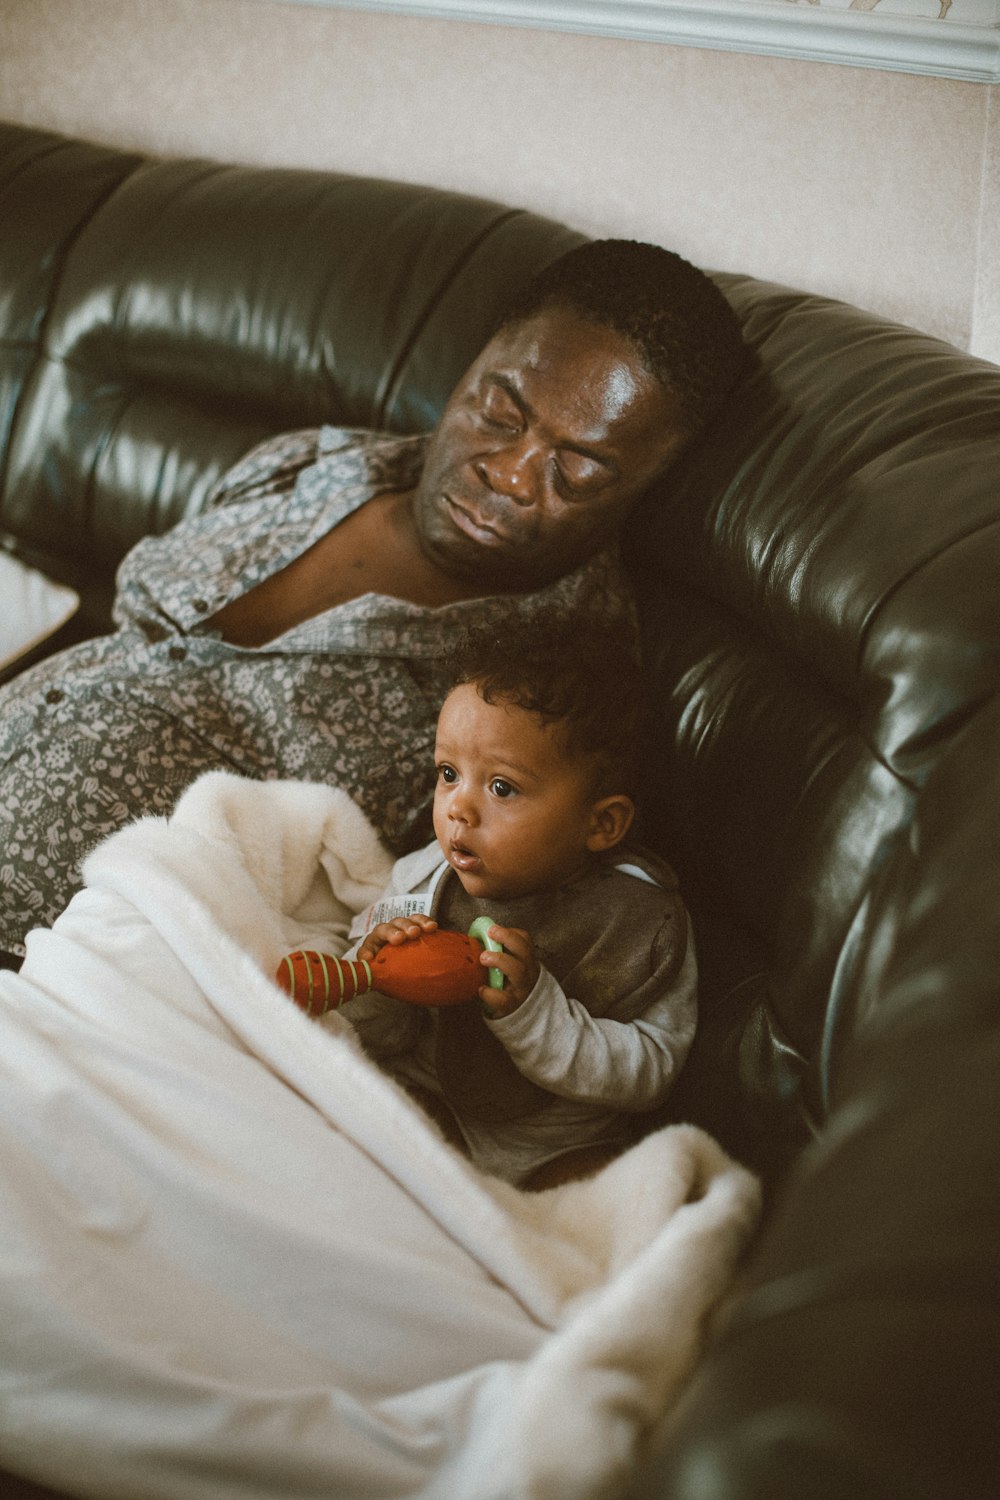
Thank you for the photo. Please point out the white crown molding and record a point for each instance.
(864, 39)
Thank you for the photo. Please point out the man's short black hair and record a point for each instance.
(585, 677)
(687, 333)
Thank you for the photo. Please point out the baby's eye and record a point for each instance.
(448, 774)
(501, 788)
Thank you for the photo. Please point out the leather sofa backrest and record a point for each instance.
(159, 317)
(821, 603)
(860, 1357)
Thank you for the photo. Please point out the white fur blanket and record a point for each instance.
(237, 1262)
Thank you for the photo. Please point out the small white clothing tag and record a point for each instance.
(387, 909)
(407, 905)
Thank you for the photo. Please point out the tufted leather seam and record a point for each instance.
(431, 305)
(892, 1280)
(880, 605)
(40, 344)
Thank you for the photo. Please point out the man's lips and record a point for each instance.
(469, 521)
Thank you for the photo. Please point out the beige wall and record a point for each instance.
(878, 187)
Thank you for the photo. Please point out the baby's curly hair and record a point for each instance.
(576, 673)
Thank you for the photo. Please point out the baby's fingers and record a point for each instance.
(399, 930)
(520, 978)
(515, 940)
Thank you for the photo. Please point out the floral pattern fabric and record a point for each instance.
(117, 727)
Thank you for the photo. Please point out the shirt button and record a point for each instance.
(177, 653)
(54, 696)
(201, 605)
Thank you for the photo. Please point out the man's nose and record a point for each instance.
(511, 471)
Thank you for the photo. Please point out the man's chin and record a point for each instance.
(492, 569)
(496, 564)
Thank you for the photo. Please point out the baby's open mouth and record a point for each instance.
(462, 858)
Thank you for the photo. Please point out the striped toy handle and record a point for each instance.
(318, 982)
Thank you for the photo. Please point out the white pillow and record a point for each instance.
(31, 608)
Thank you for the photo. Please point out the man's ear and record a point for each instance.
(610, 820)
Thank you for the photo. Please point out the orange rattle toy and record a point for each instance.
(434, 968)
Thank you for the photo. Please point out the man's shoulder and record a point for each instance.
(278, 462)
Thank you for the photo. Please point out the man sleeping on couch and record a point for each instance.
(297, 627)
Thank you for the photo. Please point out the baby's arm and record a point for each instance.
(629, 1065)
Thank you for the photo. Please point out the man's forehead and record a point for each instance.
(559, 332)
(590, 370)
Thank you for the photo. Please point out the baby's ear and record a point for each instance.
(610, 820)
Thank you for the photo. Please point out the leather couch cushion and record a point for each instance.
(862, 1359)
(822, 619)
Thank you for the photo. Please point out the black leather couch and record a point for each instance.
(819, 582)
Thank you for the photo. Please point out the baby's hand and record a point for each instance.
(519, 967)
(399, 930)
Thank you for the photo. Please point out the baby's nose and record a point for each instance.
(461, 808)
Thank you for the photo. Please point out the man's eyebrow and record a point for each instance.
(527, 411)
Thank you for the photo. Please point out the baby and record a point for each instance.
(537, 1080)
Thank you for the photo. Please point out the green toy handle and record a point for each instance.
(478, 930)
